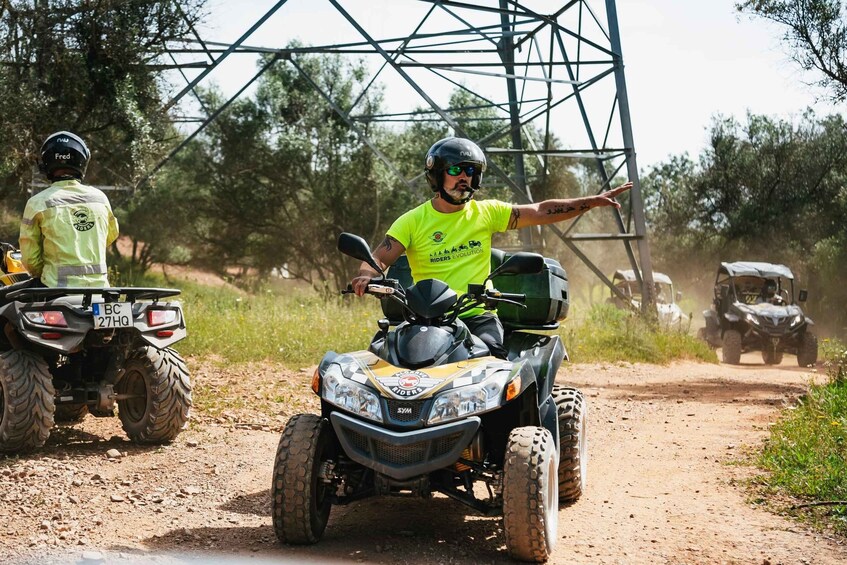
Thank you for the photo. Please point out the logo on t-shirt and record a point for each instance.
(81, 221)
(438, 237)
(473, 247)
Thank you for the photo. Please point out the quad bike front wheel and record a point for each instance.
(300, 499)
(731, 350)
(530, 494)
(572, 413)
(26, 401)
(154, 395)
(807, 353)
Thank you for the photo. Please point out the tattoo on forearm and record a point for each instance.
(584, 207)
(513, 220)
(560, 209)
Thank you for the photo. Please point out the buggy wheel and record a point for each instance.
(772, 355)
(807, 353)
(300, 499)
(530, 494)
(158, 391)
(731, 347)
(572, 412)
(26, 401)
(68, 414)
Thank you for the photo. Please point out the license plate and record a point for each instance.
(112, 315)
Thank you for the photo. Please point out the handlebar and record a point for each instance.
(378, 287)
(511, 296)
(476, 296)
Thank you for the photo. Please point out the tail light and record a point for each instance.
(47, 318)
(160, 317)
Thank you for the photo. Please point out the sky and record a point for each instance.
(685, 61)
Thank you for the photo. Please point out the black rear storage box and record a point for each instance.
(546, 293)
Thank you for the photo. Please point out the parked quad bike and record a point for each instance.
(68, 352)
(741, 319)
(427, 409)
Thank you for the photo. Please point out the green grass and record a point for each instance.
(607, 334)
(806, 454)
(296, 326)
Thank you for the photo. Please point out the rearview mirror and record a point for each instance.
(521, 263)
(357, 248)
(803, 295)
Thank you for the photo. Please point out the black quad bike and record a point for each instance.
(427, 409)
(68, 352)
(754, 309)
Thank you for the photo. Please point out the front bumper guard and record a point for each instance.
(402, 455)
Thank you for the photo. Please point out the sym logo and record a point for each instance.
(465, 153)
(62, 139)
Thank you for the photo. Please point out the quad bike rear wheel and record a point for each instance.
(300, 499)
(572, 412)
(158, 395)
(731, 351)
(807, 353)
(530, 494)
(26, 401)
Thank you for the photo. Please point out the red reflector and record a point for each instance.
(51, 335)
(165, 333)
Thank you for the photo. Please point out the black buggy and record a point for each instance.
(754, 309)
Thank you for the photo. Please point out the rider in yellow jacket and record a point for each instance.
(66, 228)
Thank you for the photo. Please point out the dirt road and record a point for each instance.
(665, 483)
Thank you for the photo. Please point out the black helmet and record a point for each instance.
(453, 151)
(64, 150)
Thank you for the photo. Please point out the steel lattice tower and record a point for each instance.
(535, 70)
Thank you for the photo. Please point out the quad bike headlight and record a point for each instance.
(753, 319)
(472, 399)
(797, 319)
(349, 395)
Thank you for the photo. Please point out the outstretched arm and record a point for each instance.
(556, 210)
(385, 254)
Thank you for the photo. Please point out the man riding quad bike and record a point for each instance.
(68, 352)
(426, 408)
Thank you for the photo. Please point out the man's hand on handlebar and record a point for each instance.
(360, 284)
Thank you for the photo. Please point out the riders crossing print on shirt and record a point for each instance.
(473, 247)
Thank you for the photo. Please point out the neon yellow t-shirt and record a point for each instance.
(455, 247)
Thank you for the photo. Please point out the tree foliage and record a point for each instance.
(276, 178)
(766, 190)
(89, 67)
(816, 34)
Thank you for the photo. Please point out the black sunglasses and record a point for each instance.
(456, 169)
